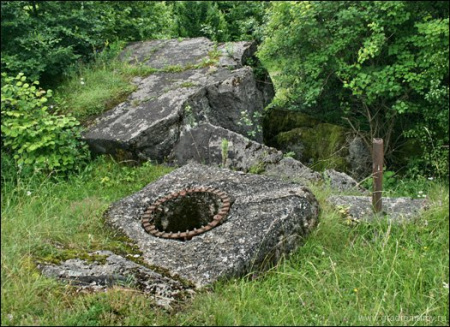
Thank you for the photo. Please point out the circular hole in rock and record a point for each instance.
(184, 213)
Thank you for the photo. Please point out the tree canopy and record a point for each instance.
(380, 65)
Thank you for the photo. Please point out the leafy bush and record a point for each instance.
(43, 38)
(381, 65)
(34, 136)
(220, 21)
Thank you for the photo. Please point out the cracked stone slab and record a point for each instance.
(115, 271)
(268, 218)
(204, 144)
(148, 123)
(400, 209)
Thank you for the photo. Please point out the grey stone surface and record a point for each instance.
(203, 144)
(115, 271)
(291, 170)
(267, 219)
(184, 116)
(186, 52)
(148, 124)
(359, 158)
(395, 209)
(343, 182)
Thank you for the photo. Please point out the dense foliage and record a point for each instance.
(43, 38)
(220, 21)
(380, 65)
(34, 137)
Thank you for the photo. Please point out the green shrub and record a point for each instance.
(44, 38)
(34, 136)
(381, 66)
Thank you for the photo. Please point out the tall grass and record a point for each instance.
(39, 217)
(89, 90)
(369, 274)
(378, 273)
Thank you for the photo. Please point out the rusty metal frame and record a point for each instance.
(148, 216)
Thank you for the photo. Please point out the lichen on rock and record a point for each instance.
(267, 219)
(210, 85)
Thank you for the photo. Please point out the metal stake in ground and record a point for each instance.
(378, 159)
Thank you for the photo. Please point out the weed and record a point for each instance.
(257, 168)
(187, 84)
(224, 152)
(253, 124)
(290, 154)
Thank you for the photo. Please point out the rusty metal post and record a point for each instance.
(378, 159)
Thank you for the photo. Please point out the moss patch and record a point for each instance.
(276, 121)
(257, 168)
(321, 147)
(60, 255)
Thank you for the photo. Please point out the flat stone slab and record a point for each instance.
(396, 209)
(267, 219)
(116, 270)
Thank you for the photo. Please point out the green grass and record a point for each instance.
(39, 217)
(93, 91)
(352, 275)
(89, 90)
(374, 273)
(344, 275)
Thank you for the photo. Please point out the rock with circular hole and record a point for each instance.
(267, 218)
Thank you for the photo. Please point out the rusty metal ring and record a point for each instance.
(148, 217)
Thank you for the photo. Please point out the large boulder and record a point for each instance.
(320, 145)
(201, 103)
(267, 219)
(195, 81)
(217, 146)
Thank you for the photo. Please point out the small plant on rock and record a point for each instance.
(224, 152)
(247, 121)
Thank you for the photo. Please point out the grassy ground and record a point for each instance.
(88, 90)
(376, 273)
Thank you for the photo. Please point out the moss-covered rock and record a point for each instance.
(322, 146)
(276, 121)
(318, 144)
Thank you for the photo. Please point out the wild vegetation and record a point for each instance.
(379, 273)
(378, 67)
